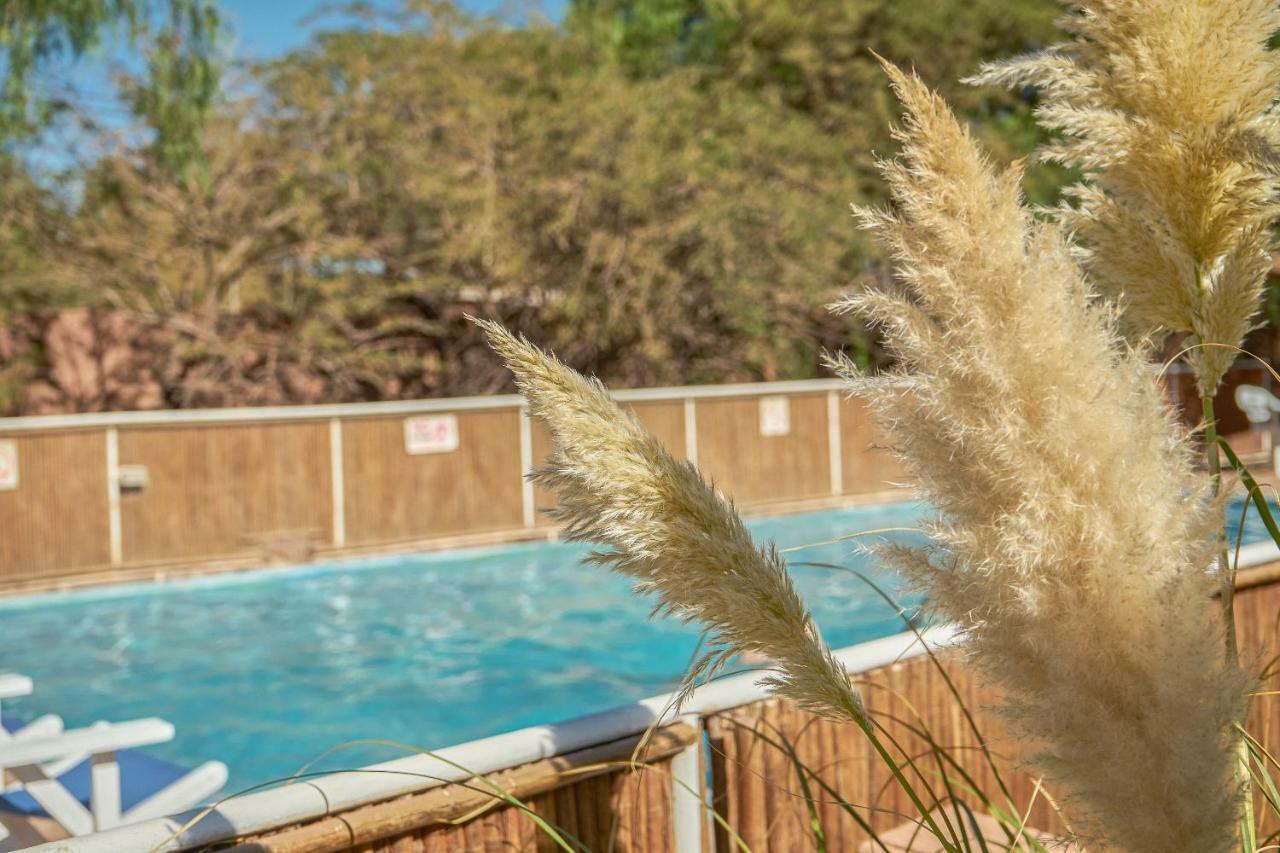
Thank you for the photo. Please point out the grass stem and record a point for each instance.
(1226, 572)
(1227, 579)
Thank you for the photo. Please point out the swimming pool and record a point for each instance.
(267, 670)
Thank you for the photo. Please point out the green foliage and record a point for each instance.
(648, 37)
(175, 96)
(35, 32)
(29, 210)
(661, 228)
(818, 59)
(181, 83)
(661, 186)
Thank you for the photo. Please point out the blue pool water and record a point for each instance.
(267, 670)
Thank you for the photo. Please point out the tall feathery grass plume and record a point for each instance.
(1167, 107)
(661, 524)
(1071, 537)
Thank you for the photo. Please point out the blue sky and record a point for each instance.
(258, 29)
(265, 28)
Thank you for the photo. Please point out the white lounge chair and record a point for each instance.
(11, 687)
(35, 756)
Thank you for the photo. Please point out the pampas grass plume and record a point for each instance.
(1167, 108)
(1073, 532)
(661, 524)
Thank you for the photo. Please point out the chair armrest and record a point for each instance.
(13, 685)
(92, 740)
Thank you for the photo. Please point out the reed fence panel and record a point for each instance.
(595, 796)
(1257, 609)
(754, 468)
(868, 465)
(758, 790)
(392, 496)
(622, 812)
(54, 520)
(664, 419)
(225, 490)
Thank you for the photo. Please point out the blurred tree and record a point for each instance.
(28, 209)
(166, 244)
(181, 83)
(649, 37)
(26, 285)
(812, 56)
(658, 188)
(654, 230)
(817, 59)
(177, 37)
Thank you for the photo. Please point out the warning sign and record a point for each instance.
(8, 465)
(775, 416)
(431, 434)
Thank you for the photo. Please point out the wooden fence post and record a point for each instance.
(834, 450)
(337, 483)
(691, 431)
(115, 533)
(526, 467)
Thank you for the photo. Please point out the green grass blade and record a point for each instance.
(802, 773)
(946, 678)
(1255, 491)
(836, 799)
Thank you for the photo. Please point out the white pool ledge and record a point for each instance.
(310, 800)
(1258, 554)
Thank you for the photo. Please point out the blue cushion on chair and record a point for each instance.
(141, 776)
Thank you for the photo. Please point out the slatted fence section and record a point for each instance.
(736, 449)
(99, 497)
(103, 496)
(222, 491)
(56, 519)
(594, 797)
(393, 496)
(867, 464)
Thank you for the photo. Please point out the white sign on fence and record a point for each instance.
(431, 434)
(8, 465)
(775, 416)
